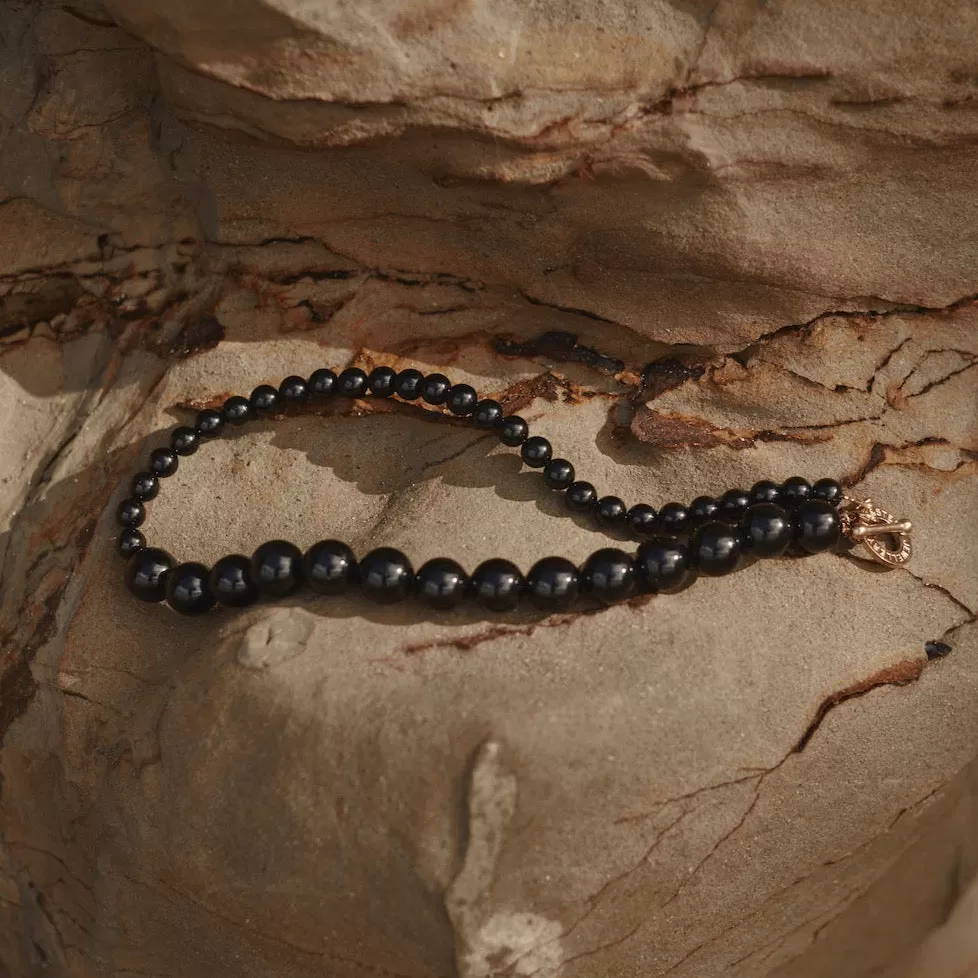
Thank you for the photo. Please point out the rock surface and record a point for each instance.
(695, 244)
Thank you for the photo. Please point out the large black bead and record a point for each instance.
(794, 491)
(187, 589)
(145, 486)
(673, 519)
(276, 567)
(553, 584)
(461, 400)
(329, 567)
(610, 512)
(702, 509)
(581, 497)
(487, 414)
(293, 391)
(381, 381)
(817, 526)
(322, 383)
(442, 583)
(766, 530)
(386, 575)
(536, 451)
(608, 575)
(661, 564)
(131, 512)
(714, 549)
(264, 399)
(435, 388)
(209, 423)
(513, 431)
(185, 440)
(146, 573)
(733, 505)
(558, 473)
(765, 491)
(641, 520)
(408, 384)
(496, 584)
(828, 490)
(130, 540)
(163, 462)
(231, 582)
(237, 410)
(352, 382)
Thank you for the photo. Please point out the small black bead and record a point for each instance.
(558, 473)
(496, 584)
(553, 584)
(352, 382)
(293, 391)
(408, 384)
(608, 575)
(641, 520)
(461, 400)
(673, 519)
(487, 414)
(435, 388)
(237, 410)
(610, 512)
(536, 451)
(322, 383)
(733, 505)
(661, 564)
(184, 440)
(146, 573)
(386, 575)
(701, 510)
(187, 589)
(765, 491)
(131, 512)
(329, 567)
(209, 423)
(442, 583)
(264, 399)
(828, 490)
(381, 381)
(231, 582)
(817, 526)
(581, 497)
(276, 567)
(163, 462)
(513, 431)
(766, 530)
(130, 540)
(714, 549)
(145, 486)
(794, 491)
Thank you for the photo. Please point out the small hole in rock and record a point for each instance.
(936, 650)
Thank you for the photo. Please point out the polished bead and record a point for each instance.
(461, 400)
(435, 388)
(329, 567)
(817, 526)
(231, 582)
(322, 384)
(237, 410)
(209, 423)
(673, 519)
(553, 584)
(536, 451)
(513, 431)
(408, 384)
(145, 486)
(380, 383)
(496, 584)
(487, 414)
(184, 440)
(765, 491)
(441, 583)
(581, 497)
(386, 575)
(187, 589)
(661, 564)
(130, 540)
(765, 530)
(163, 462)
(827, 490)
(733, 505)
(641, 520)
(702, 509)
(352, 382)
(714, 548)
(794, 491)
(131, 512)
(146, 573)
(558, 473)
(610, 512)
(264, 399)
(276, 567)
(608, 575)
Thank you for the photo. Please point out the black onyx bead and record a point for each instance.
(237, 410)
(641, 520)
(352, 382)
(322, 383)
(610, 511)
(435, 388)
(293, 390)
(145, 486)
(714, 549)
(130, 540)
(146, 573)
(276, 568)
(187, 589)
(553, 584)
(461, 400)
(386, 575)
(329, 567)
(380, 383)
(581, 497)
(131, 512)
(766, 530)
(661, 564)
(817, 526)
(733, 505)
(536, 451)
(828, 491)
(487, 414)
(765, 491)
(558, 473)
(441, 583)
(209, 423)
(702, 509)
(231, 582)
(794, 491)
(163, 462)
(184, 440)
(513, 431)
(673, 519)
(496, 584)
(408, 383)
(608, 575)
(264, 399)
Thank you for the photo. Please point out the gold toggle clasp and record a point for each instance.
(886, 539)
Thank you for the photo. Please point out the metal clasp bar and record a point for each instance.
(886, 538)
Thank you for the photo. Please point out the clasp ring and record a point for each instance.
(886, 538)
